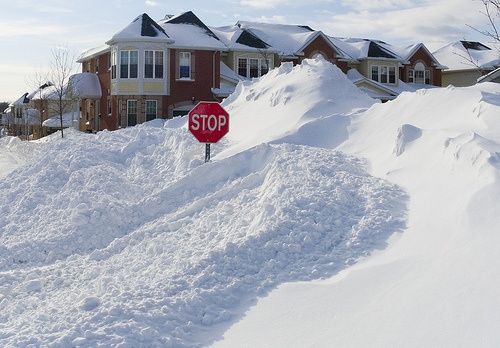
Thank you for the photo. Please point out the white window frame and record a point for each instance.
(157, 64)
(419, 74)
(130, 59)
(185, 61)
(113, 63)
(129, 107)
(148, 108)
(250, 69)
(382, 73)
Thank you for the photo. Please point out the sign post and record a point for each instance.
(208, 122)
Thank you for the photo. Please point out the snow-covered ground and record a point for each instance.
(324, 219)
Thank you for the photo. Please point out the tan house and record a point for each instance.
(466, 62)
(383, 71)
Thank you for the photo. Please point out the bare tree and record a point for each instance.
(39, 81)
(492, 13)
(62, 66)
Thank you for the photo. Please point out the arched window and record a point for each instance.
(419, 74)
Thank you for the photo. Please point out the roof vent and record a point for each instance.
(168, 16)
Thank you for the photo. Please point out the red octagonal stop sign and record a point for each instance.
(208, 121)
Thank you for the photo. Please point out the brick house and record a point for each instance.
(152, 70)
(466, 62)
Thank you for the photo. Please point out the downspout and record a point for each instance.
(213, 73)
(213, 76)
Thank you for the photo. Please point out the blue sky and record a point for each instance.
(30, 29)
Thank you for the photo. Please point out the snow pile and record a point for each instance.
(435, 284)
(13, 154)
(322, 215)
(128, 238)
(306, 104)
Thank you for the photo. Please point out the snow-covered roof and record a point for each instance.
(85, 86)
(55, 122)
(49, 93)
(491, 76)
(93, 52)
(23, 100)
(468, 55)
(382, 91)
(288, 40)
(238, 39)
(39, 90)
(142, 28)
(188, 31)
(360, 49)
(228, 74)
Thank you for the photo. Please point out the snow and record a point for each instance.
(288, 40)
(323, 219)
(456, 57)
(69, 119)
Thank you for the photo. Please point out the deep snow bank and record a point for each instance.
(127, 238)
(306, 104)
(436, 284)
(13, 154)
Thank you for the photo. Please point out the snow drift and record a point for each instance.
(321, 215)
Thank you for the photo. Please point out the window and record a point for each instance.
(252, 67)
(153, 64)
(185, 65)
(242, 66)
(113, 64)
(384, 74)
(128, 64)
(131, 113)
(110, 110)
(150, 110)
(419, 74)
(375, 72)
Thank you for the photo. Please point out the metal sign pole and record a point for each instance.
(207, 152)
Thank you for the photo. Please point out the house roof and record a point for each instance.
(39, 90)
(85, 86)
(287, 40)
(188, 31)
(362, 49)
(228, 74)
(55, 122)
(406, 52)
(23, 100)
(93, 52)
(238, 39)
(382, 91)
(142, 28)
(468, 55)
(491, 76)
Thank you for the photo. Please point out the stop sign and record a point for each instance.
(208, 121)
